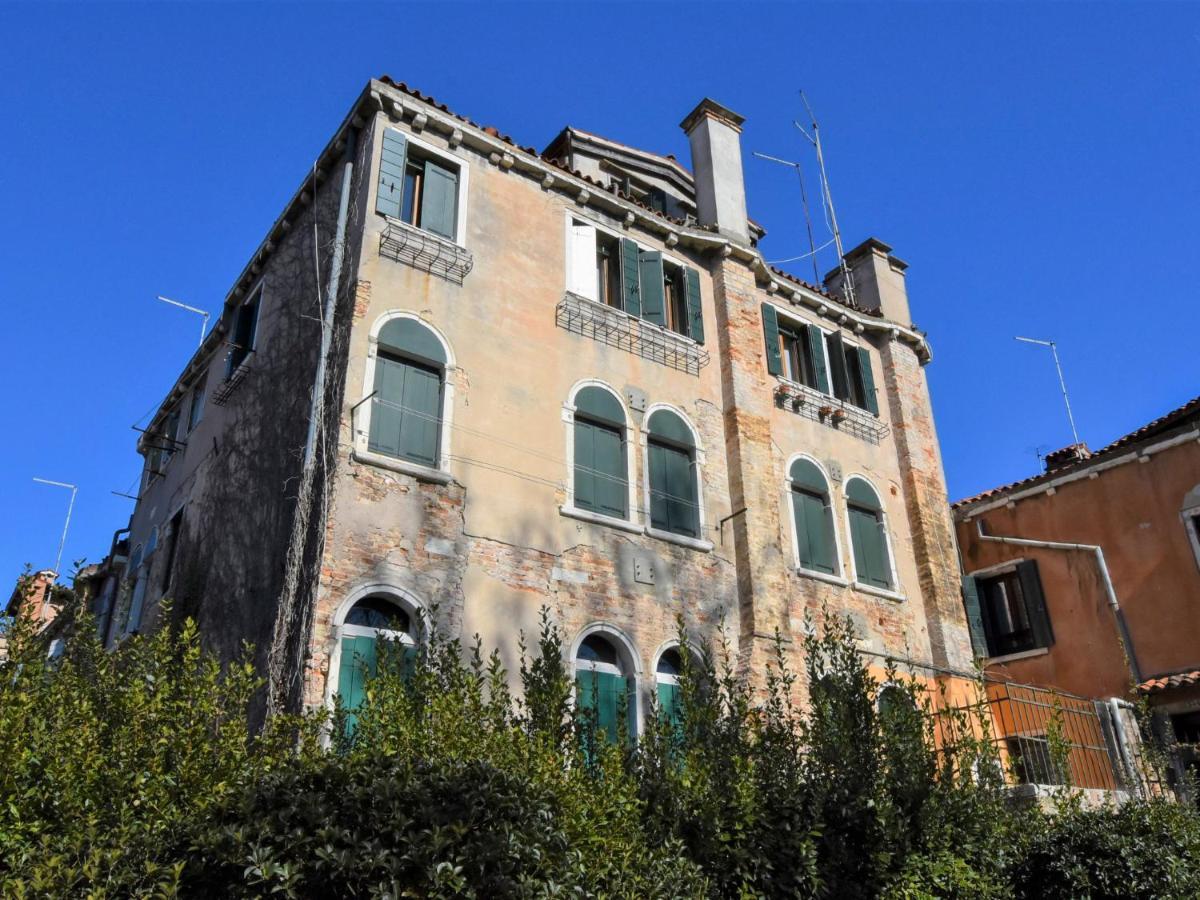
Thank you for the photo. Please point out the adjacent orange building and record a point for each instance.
(1086, 578)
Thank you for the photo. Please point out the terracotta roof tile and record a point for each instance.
(1150, 429)
(1188, 678)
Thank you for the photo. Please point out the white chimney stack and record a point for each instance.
(715, 134)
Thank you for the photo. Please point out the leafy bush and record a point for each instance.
(134, 773)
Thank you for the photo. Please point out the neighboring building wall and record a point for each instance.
(32, 599)
(1131, 510)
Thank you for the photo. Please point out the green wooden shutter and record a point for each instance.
(606, 696)
(771, 336)
(816, 355)
(439, 200)
(631, 297)
(650, 268)
(679, 483)
(656, 456)
(870, 402)
(691, 280)
(670, 707)
(421, 416)
(612, 494)
(357, 665)
(585, 465)
(1035, 603)
(391, 173)
(837, 362)
(870, 548)
(970, 591)
(385, 408)
(813, 531)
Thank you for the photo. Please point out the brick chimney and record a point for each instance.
(715, 134)
(878, 280)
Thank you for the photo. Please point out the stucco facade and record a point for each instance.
(490, 530)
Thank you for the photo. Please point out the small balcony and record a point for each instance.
(425, 251)
(830, 411)
(616, 328)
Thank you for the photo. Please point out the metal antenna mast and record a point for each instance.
(1061, 381)
(62, 542)
(827, 195)
(812, 248)
(203, 324)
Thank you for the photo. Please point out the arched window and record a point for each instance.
(671, 460)
(601, 485)
(366, 622)
(604, 688)
(813, 515)
(868, 535)
(892, 701)
(406, 409)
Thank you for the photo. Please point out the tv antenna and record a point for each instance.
(204, 313)
(70, 506)
(1061, 381)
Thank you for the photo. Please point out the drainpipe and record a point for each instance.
(1115, 707)
(1098, 552)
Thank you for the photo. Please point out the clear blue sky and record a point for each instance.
(1035, 165)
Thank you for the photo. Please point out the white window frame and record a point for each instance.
(464, 177)
(633, 522)
(626, 653)
(837, 577)
(705, 546)
(260, 288)
(400, 597)
(569, 275)
(1189, 514)
(896, 592)
(361, 419)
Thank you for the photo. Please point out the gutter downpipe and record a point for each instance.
(1115, 707)
(1098, 552)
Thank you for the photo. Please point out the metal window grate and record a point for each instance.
(827, 410)
(615, 328)
(425, 251)
(227, 388)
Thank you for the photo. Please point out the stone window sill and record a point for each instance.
(681, 539)
(878, 592)
(586, 515)
(416, 470)
(822, 576)
(1011, 657)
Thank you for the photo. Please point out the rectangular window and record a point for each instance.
(850, 368)
(1014, 610)
(417, 186)
(796, 352)
(196, 409)
(245, 332)
(608, 270)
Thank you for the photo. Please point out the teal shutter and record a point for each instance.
(391, 173)
(650, 268)
(1035, 602)
(631, 297)
(422, 401)
(870, 549)
(357, 665)
(970, 591)
(870, 402)
(605, 695)
(585, 465)
(813, 531)
(612, 495)
(673, 505)
(771, 336)
(656, 455)
(385, 411)
(439, 200)
(837, 362)
(816, 354)
(670, 707)
(695, 311)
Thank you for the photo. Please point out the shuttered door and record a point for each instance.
(670, 708)
(814, 533)
(385, 411)
(600, 483)
(358, 664)
(870, 551)
(606, 695)
(406, 418)
(585, 465)
(439, 199)
(673, 491)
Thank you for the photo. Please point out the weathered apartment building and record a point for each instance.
(1086, 577)
(567, 378)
